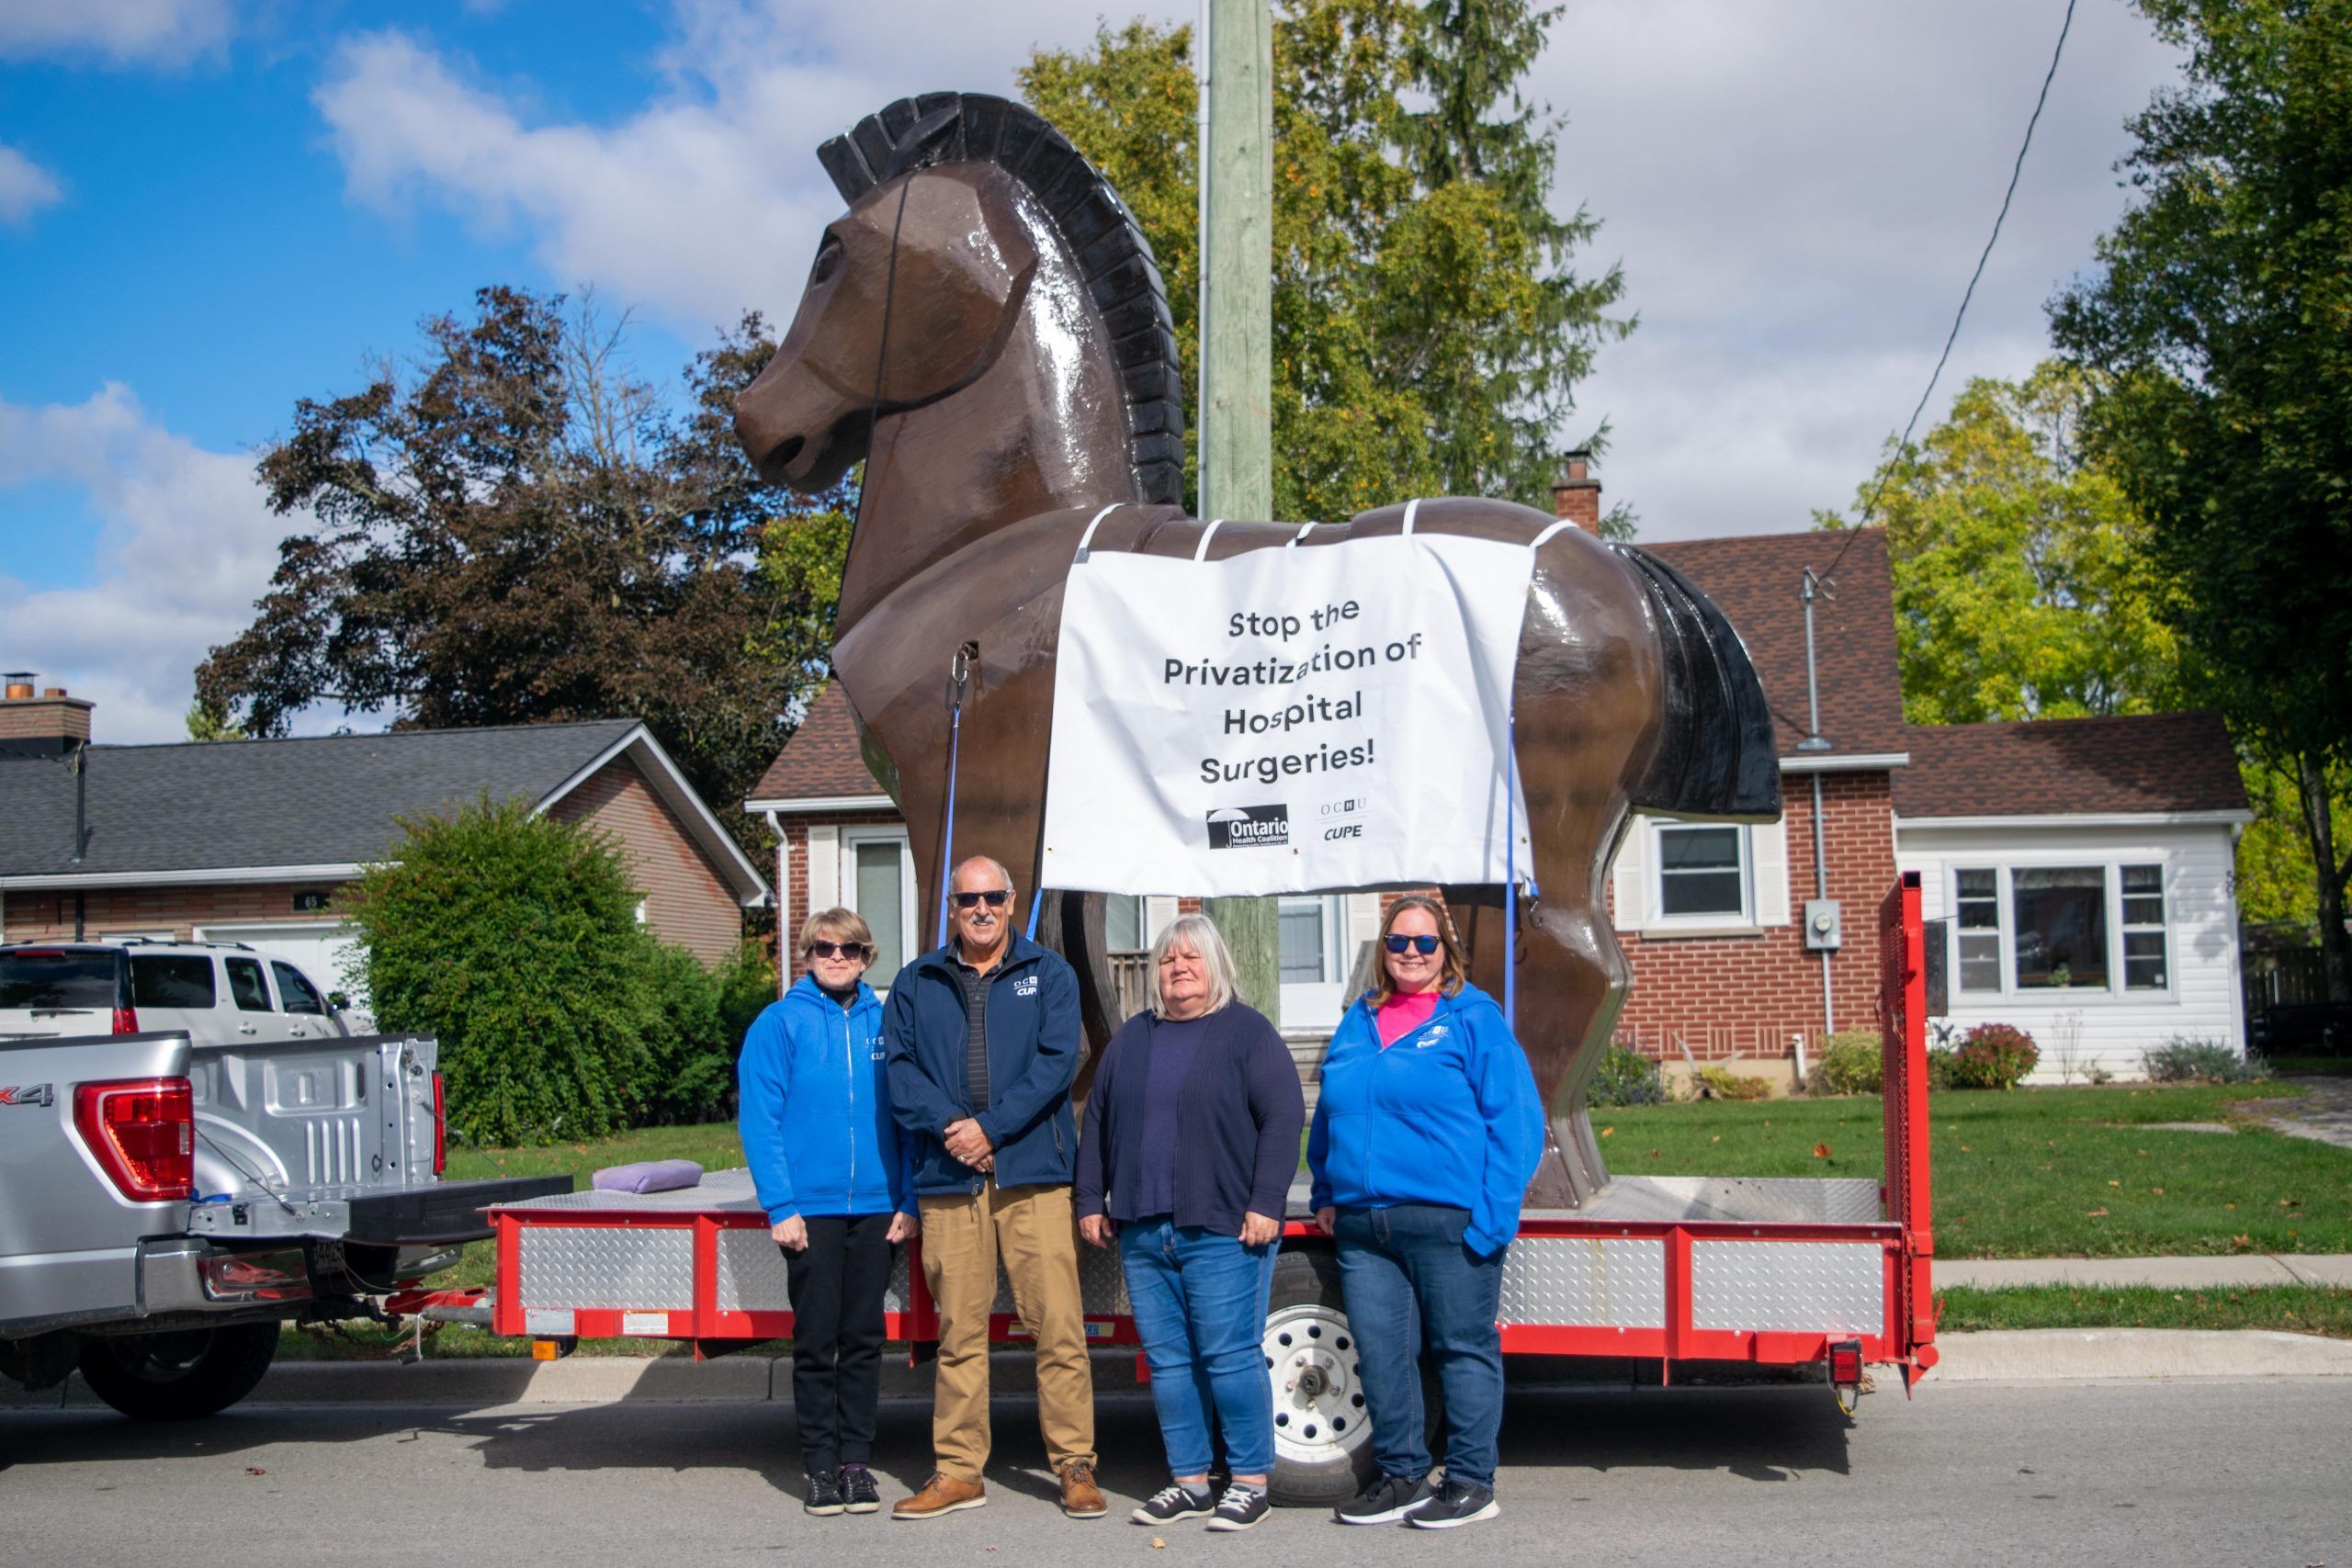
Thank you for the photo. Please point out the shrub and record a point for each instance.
(512, 940)
(1993, 1055)
(746, 986)
(2185, 1059)
(689, 1054)
(1724, 1084)
(1851, 1061)
(1626, 1078)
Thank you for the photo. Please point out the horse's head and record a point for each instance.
(956, 200)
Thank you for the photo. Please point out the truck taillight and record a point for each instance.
(143, 1133)
(125, 1019)
(440, 1126)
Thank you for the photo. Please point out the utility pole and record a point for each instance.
(1236, 434)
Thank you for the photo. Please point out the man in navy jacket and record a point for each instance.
(983, 1042)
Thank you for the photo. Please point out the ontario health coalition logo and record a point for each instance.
(1248, 827)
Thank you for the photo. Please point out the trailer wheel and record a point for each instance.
(1322, 1431)
(178, 1377)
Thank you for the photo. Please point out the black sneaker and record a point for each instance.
(1385, 1500)
(1241, 1507)
(859, 1493)
(824, 1493)
(1456, 1503)
(1173, 1503)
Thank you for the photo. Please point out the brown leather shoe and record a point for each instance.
(1081, 1499)
(943, 1494)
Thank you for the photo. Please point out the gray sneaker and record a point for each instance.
(1456, 1503)
(1173, 1503)
(1385, 1501)
(1241, 1507)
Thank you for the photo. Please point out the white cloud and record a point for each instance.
(122, 32)
(25, 186)
(186, 543)
(1797, 194)
(708, 197)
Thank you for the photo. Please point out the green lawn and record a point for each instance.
(2296, 1309)
(2035, 1173)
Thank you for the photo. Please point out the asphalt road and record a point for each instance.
(2201, 1473)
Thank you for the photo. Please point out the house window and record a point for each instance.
(2144, 928)
(1977, 901)
(2061, 926)
(1701, 872)
(878, 870)
(1122, 923)
(1313, 961)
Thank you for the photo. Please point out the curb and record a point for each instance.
(2098, 1355)
(2026, 1355)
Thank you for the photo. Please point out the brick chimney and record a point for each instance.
(1577, 497)
(51, 722)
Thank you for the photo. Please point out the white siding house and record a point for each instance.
(2099, 931)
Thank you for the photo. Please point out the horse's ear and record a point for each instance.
(916, 148)
(847, 166)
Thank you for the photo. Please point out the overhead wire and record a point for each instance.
(1952, 337)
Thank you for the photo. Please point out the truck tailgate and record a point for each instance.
(426, 1213)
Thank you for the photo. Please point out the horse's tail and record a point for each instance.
(1715, 752)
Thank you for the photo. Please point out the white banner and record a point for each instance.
(1287, 720)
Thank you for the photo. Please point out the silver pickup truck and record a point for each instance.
(165, 1205)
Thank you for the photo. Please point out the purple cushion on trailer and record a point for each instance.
(648, 1175)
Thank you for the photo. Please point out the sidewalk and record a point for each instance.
(2172, 1273)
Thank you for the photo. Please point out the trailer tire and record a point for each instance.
(182, 1376)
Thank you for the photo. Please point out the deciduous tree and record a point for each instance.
(2220, 319)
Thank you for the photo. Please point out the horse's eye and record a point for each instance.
(829, 260)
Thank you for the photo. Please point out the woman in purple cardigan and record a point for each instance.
(1190, 1141)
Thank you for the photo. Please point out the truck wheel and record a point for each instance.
(177, 1377)
(1322, 1432)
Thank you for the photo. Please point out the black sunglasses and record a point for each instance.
(844, 948)
(1423, 944)
(995, 896)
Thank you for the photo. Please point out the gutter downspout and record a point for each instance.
(1816, 742)
(783, 901)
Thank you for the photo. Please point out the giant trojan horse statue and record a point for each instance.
(985, 328)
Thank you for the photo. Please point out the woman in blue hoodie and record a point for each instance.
(1426, 1132)
(836, 1177)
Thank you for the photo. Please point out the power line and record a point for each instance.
(1953, 337)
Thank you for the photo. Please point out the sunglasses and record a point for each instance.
(843, 949)
(1421, 945)
(996, 898)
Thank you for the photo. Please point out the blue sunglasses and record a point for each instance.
(1422, 945)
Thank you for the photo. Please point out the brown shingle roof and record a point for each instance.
(1755, 580)
(822, 762)
(2147, 763)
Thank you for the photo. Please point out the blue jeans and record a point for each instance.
(1200, 1309)
(1406, 1273)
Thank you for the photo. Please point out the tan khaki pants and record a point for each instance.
(1033, 1229)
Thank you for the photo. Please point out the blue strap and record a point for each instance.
(1510, 881)
(1036, 898)
(947, 850)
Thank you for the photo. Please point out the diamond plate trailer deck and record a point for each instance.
(1768, 1271)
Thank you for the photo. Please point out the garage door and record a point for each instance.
(324, 950)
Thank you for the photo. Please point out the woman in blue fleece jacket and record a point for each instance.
(1426, 1132)
(836, 1177)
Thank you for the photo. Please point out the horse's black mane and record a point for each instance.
(1109, 246)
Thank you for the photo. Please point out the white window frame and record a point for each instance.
(2111, 864)
(1316, 1005)
(2125, 930)
(1743, 918)
(913, 929)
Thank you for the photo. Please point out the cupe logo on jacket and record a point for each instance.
(1431, 1036)
(1026, 987)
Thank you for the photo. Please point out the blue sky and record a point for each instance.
(209, 208)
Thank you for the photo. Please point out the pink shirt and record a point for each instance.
(1401, 1014)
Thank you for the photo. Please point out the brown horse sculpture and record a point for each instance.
(986, 327)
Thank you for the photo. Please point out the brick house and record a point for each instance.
(1714, 917)
(247, 840)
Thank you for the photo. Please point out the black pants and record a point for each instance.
(837, 1282)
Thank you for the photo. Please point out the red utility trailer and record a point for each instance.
(1767, 1271)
